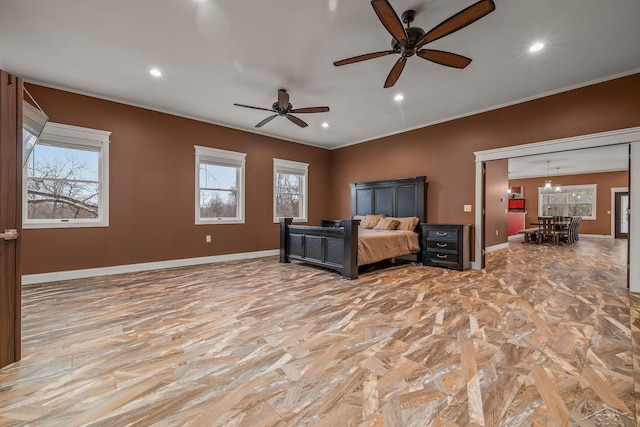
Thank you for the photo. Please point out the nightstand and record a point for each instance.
(446, 245)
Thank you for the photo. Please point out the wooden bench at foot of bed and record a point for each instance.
(331, 247)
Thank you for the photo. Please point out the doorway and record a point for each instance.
(629, 136)
(621, 215)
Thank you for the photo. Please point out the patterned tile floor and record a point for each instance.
(545, 335)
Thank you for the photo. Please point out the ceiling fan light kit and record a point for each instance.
(406, 42)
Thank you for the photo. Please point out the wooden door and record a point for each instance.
(621, 215)
(10, 216)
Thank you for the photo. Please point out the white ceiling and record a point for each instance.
(214, 53)
(591, 160)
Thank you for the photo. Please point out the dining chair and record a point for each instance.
(566, 233)
(547, 230)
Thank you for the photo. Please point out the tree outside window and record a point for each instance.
(288, 195)
(572, 200)
(218, 191)
(66, 178)
(290, 190)
(62, 183)
(219, 186)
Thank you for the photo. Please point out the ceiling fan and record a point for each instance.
(410, 41)
(282, 107)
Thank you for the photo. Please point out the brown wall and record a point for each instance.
(152, 189)
(496, 183)
(605, 181)
(152, 172)
(444, 152)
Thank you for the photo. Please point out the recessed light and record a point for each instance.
(155, 72)
(325, 124)
(536, 47)
(399, 97)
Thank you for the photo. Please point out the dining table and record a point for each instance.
(557, 224)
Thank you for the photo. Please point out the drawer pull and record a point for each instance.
(440, 233)
(441, 245)
(441, 256)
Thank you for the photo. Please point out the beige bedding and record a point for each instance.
(376, 245)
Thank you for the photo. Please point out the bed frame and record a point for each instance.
(335, 244)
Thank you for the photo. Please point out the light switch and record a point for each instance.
(467, 208)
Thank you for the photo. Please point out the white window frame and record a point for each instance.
(62, 135)
(570, 189)
(299, 168)
(224, 158)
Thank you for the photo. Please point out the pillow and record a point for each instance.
(370, 221)
(361, 218)
(387, 224)
(408, 223)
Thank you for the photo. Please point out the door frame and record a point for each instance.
(615, 190)
(629, 136)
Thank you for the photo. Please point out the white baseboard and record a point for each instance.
(597, 236)
(55, 276)
(496, 247)
(516, 237)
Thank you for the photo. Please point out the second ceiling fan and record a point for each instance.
(283, 108)
(410, 41)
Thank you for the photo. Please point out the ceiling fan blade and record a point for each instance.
(364, 57)
(283, 99)
(255, 108)
(395, 72)
(297, 121)
(390, 20)
(310, 110)
(458, 21)
(265, 121)
(444, 58)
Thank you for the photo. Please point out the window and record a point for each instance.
(219, 186)
(290, 190)
(66, 179)
(573, 200)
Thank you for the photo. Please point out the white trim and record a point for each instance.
(497, 247)
(494, 107)
(596, 236)
(612, 213)
(34, 119)
(634, 225)
(258, 131)
(30, 279)
(621, 136)
(478, 229)
(516, 237)
(61, 135)
(223, 157)
(615, 137)
(284, 166)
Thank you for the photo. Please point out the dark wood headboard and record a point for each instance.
(394, 197)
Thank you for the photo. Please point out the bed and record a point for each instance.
(336, 243)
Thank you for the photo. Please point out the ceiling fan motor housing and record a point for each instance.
(276, 108)
(413, 35)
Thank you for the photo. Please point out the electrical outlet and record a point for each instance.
(467, 208)
(207, 238)
(497, 232)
